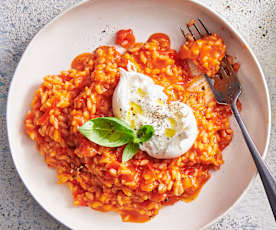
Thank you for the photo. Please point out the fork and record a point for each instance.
(227, 88)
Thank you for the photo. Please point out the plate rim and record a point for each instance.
(196, 2)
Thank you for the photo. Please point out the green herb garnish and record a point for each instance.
(144, 134)
(107, 131)
(129, 151)
(113, 132)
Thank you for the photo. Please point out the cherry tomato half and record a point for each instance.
(125, 38)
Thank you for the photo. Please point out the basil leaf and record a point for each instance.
(130, 150)
(107, 131)
(144, 134)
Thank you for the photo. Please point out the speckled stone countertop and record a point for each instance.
(20, 20)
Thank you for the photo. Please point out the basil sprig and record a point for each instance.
(113, 132)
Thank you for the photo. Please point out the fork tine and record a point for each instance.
(227, 64)
(205, 28)
(190, 31)
(197, 29)
(222, 72)
(182, 31)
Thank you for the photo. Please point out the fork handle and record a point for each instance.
(267, 179)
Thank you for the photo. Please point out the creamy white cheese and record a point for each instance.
(139, 101)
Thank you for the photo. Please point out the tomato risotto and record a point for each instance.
(96, 175)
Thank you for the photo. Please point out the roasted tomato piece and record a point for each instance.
(125, 38)
(162, 39)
